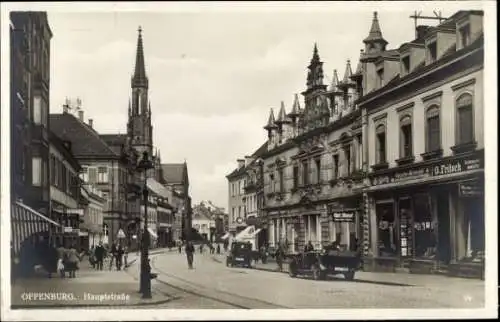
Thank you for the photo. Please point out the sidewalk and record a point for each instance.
(90, 288)
(400, 279)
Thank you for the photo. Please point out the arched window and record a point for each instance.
(465, 127)
(380, 144)
(406, 138)
(433, 129)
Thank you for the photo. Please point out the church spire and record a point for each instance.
(375, 34)
(139, 79)
(315, 74)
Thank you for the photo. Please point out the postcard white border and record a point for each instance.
(490, 99)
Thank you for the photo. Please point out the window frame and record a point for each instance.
(378, 159)
(458, 126)
(37, 110)
(38, 161)
(405, 121)
(317, 164)
(336, 162)
(429, 114)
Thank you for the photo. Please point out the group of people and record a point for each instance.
(117, 255)
(46, 255)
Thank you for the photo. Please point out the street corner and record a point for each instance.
(44, 295)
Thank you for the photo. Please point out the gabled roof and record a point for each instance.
(85, 141)
(64, 150)
(173, 173)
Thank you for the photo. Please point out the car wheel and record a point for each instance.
(316, 272)
(292, 270)
(349, 275)
(227, 262)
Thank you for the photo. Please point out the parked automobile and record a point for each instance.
(323, 263)
(240, 254)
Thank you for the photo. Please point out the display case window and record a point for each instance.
(474, 220)
(387, 234)
(424, 227)
(405, 227)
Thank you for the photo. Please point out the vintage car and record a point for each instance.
(240, 255)
(323, 263)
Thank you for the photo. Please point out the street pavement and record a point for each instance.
(213, 285)
(91, 288)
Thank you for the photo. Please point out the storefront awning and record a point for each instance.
(248, 233)
(226, 236)
(26, 222)
(152, 233)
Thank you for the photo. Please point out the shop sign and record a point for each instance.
(471, 189)
(343, 216)
(68, 229)
(442, 168)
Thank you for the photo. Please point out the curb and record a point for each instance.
(49, 306)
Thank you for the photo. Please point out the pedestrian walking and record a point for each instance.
(218, 249)
(279, 257)
(309, 247)
(99, 255)
(119, 257)
(179, 246)
(73, 260)
(201, 248)
(190, 254)
(62, 259)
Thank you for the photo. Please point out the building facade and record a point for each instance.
(312, 169)
(30, 37)
(65, 197)
(101, 167)
(424, 149)
(93, 219)
(236, 198)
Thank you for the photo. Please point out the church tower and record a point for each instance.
(139, 127)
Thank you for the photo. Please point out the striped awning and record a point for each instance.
(26, 222)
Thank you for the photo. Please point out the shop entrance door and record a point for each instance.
(443, 216)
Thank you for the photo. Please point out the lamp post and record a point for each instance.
(145, 279)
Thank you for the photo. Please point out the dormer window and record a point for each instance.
(432, 51)
(406, 64)
(380, 77)
(465, 35)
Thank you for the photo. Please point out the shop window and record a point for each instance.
(406, 149)
(424, 227)
(344, 235)
(380, 144)
(387, 239)
(465, 119)
(474, 226)
(433, 129)
(405, 232)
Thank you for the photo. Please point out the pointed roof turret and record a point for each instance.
(139, 79)
(315, 74)
(334, 86)
(347, 81)
(271, 123)
(315, 58)
(282, 115)
(375, 34)
(296, 107)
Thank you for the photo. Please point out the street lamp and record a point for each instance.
(145, 279)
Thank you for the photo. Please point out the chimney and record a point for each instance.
(80, 115)
(91, 123)
(421, 31)
(241, 163)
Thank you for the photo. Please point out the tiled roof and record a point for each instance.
(173, 172)
(114, 139)
(85, 141)
(260, 151)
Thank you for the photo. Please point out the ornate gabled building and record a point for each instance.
(312, 166)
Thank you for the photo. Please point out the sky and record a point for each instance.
(213, 74)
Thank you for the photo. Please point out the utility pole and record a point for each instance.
(418, 15)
